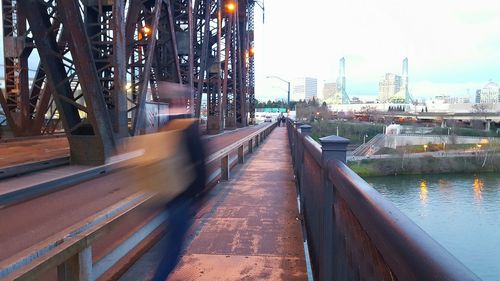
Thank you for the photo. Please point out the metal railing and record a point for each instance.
(353, 232)
(70, 251)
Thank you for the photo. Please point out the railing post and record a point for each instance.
(224, 168)
(250, 146)
(305, 130)
(332, 147)
(76, 268)
(241, 154)
(257, 140)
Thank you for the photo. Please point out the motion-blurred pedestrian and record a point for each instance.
(183, 207)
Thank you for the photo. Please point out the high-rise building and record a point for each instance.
(394, 88)
(478, 96)
(305, 88)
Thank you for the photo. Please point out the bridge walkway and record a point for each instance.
(248, 229)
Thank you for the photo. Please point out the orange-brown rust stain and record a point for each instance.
(253, 233)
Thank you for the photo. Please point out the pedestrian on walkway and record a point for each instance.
(183, 207)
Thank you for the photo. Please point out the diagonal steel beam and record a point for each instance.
(138, 125)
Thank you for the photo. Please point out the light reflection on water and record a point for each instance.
(460, 211)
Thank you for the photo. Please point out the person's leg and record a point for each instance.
(179, 221)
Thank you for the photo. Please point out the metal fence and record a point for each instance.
(354, 233)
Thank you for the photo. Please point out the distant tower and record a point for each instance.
(404, 81)
(341, 82)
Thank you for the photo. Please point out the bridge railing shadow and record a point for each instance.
(352, 231)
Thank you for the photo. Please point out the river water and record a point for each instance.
(460, 211)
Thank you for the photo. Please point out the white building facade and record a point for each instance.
(305, 88)
(490, 93)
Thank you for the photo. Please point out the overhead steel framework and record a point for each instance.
(98, 62)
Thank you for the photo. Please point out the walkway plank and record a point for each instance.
(253, 233)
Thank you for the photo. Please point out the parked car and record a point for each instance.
(268, 118)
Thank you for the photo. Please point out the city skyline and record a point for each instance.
(452, 50)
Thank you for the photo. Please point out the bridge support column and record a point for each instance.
(333, 148)
(241, 154)
(77, 268)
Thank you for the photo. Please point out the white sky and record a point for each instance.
(451, 45)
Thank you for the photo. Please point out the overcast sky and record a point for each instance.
(451, 45)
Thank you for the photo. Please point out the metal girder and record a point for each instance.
(203, 12)
(251, 63)
(91, 138)
(24, 108)
(99, 65)
(106, 32)
(242, 49)
(214, 100)
(143, 35)
(174, 56)
(228, 86)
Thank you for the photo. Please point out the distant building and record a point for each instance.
(329, 89)
(388, 86)
(443, 99)
(305, 88)
(454, 100)
(490, 93)
(394, 88)
(355, 100)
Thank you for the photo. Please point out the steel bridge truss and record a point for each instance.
(91, 65)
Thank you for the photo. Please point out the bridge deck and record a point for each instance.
(248, 229)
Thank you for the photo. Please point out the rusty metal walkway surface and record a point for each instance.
(251, 231)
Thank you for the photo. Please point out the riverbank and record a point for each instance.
(426, 165)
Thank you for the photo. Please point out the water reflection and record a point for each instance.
(453, 217)
(423, 191)
(478, 185)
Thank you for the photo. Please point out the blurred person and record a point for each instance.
(183, 207)
(171, 163)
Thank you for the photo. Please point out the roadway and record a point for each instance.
(15, 152)
(32, 222)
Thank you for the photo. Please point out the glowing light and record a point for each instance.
(252, 51)
(478, 185)
(230, 7)
(146, 30)
(128, 87)
(425, 147)
(423, 191)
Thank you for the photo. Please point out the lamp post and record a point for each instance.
(288, 82)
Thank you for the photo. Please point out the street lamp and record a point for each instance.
(288, 82)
